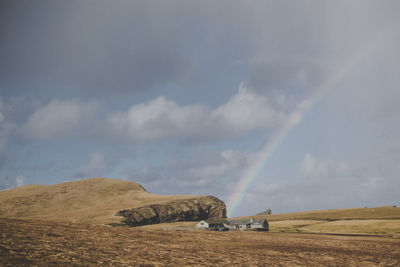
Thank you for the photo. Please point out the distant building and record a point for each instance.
(252, 224)
(213, 224)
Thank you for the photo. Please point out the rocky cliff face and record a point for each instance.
(195, 209)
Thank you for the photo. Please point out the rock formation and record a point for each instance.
(196, 209)
(265, 212)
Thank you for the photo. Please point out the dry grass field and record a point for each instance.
(64, 225)
(386, 212)
(44, 243)
(90, 201)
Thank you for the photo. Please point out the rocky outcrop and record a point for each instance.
(195, 209)
(265, 212)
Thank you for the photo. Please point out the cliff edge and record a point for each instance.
(196, 209)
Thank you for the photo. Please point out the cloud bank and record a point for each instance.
(164, 119)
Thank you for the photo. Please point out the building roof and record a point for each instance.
(244, 222)
(241, 222)
(259, 221)
(217, 221)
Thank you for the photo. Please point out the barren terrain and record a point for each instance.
(45, 243)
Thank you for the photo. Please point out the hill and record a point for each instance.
(382, 220)
(95, 201)
(386, 212)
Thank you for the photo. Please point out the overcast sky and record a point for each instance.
(181, 97)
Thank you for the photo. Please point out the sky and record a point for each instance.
(281, 105)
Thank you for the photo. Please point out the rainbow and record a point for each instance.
(295, 118)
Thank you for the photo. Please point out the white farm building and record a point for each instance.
(213, 224)
(222, 224)
(252, 224)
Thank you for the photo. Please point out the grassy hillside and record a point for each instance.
(93, 201)
(381, 220)
(386, 212)
(96, 201)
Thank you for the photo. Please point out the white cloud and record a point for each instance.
(246, 111)
(1, 117)
(312, 167)
(95, 168)
(162, 118)
(58, 119)
(159, 118)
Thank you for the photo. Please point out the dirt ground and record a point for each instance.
(49, 243)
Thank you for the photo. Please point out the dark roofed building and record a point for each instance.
(252, 224)
(213, 223)
(256, 224)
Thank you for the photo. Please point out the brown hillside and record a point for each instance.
(386, 212)
(93, 201)
(375, 221)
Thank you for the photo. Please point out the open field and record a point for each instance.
(372, 227)
(388, 228)
(45, 243)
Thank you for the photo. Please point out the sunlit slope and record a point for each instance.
(381, 220)
(386, 212)
(93, 201)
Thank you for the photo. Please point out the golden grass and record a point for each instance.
(45, 243)
(363, 227)
(90, 201)
(386, 227)
(386, 212)
(170, 226)
(372, 227)
(291, 225)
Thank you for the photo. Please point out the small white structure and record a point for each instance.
(213, 224)
(202, 224)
